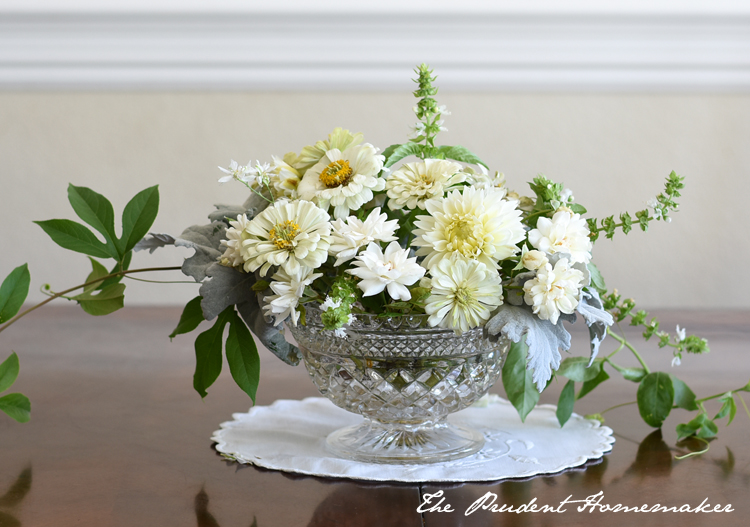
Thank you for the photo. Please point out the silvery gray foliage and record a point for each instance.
(206, 240)
(226, 286)
(543, 338)
(596, 317)
(515, 296)
(155, 241)
(271, 337)
(253, 206)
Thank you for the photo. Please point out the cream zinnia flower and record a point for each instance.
(289, 288)
(464, 294)
(235, 234)
(290, 234)
(344, 180)
(565, 232)
(339, 139)
(285, 178)
(414, 183)
(554, 291)
(392, 269)
(478, 224)
(348, 237)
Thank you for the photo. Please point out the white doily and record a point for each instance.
(290, 436)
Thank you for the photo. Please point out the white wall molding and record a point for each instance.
(374, 51)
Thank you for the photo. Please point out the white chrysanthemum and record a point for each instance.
(289, 288)
(477, 225)
(235, 234)
(482, 179)
(464, 294)
(339, 139)
(414, 183)
(344, 180)
(290, 234)
(566, 232)
(285, 178)
(554, 291)
(348, 237)
(392, 269)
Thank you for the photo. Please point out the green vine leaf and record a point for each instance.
(566, 402)
(630, 374)
(517, 380)
(577, 369)
(655, 397)
(75, 237)
(17, 406)
(242, 356)
(138, 216)
(9, 372)
(13, 292)
(107, 300)
(728, 407)
(208, 346)
(191, 317)
(701, 426)
(97, 211)
(597, 280)
(589, 385)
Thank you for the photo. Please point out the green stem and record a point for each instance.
(618, 406)
(92, 282)
(615, 352)
(627, 344)
(697, 453)
(743, 403)
(716, 396)
(545, 211)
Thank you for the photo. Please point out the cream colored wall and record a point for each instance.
(612, 150)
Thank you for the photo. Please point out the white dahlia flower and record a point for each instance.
(464, 294)
(414, 183)
(392, 269)
(289, 288)
(554, 291)
(290, 234)
(347, 237)
(566, 232)
(235, 234)
(477, 225)
(339, 139)
(344, 180)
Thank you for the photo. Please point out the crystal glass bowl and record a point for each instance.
(404, 377)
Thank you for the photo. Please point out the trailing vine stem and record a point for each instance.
(92, 282)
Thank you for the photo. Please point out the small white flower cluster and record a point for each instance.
(434, 224)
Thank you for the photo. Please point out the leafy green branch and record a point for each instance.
(662, 205)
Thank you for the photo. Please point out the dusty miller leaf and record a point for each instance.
(155, 241)
(596, 317)
(271, 337)
(224, 287)
(543, 338)
(206, 240)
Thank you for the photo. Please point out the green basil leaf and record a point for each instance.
(8, 372)
(655, 397)
(13, 292)
(460, 153)
(191, 317)
(566, 402)
(728, 407)
(597, 280)
(683, 396)
(593, 383)
(138, 216)
(16, 406)
(97, 211)
(577, 369)
(578, 209)
(242, 357)
(402, 151)
(208, 359)
(517, 380)
(75, 237)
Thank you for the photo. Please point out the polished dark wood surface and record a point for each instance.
(118, 437)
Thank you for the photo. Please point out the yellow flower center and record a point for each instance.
(460, 235)
(336, 174)
(283, 234)
(463, 297)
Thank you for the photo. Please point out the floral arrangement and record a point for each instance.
(344, 228)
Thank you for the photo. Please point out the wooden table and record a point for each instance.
(119, 437)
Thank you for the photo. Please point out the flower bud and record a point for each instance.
(534, 260)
